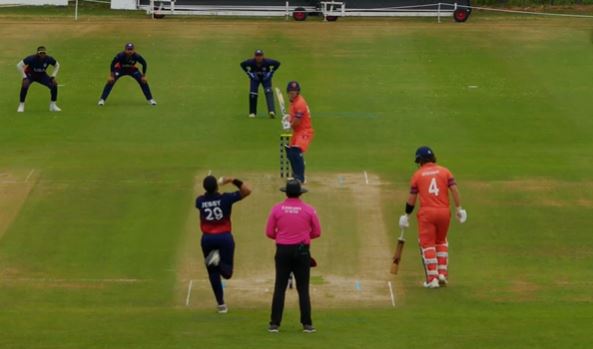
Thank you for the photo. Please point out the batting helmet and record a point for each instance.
(425, 154)
(293, 86)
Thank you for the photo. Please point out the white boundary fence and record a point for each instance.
(169, 7)
(330, 8)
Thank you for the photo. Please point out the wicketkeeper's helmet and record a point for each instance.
(424, 154)
(293, 86)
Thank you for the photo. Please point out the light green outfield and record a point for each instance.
(94, 241)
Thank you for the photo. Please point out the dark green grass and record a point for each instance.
(115, 183)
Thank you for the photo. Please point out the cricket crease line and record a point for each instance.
(29, 175)
(366, 177)
(189, 287)
(391, 293)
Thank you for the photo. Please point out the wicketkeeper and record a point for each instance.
(218, 245)
(34, 69)
(432, 183)
(260, 71)
(124, 64)
(299, 120)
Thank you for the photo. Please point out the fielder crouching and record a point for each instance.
(432, 183)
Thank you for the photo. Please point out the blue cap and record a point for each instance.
(258, 53)
(293, 86)
(424, 153)
(129, 46)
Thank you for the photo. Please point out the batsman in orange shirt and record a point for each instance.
(299, 120)
(432, 183)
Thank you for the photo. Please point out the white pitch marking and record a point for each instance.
(391, 293)
(191, 283)
(366, 177)
(472, 86)
(29, 175)
(209, 172)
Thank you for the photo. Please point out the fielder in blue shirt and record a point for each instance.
(260, 71)
(34, 69)
(124, 64)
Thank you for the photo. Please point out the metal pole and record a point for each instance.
(439, 13)
(76, 10)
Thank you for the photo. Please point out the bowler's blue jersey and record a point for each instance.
(215, 211)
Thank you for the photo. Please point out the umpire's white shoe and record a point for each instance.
(21, 108)
(152, 102)
(222, 309)
(252, 115)
(101, 102)
(213, 259)
(54, 107)
(433, 284)
(443, 280)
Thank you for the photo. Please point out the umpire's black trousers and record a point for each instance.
(294, 259)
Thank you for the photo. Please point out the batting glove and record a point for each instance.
(286, 125)
(461, 215)
(404, 221)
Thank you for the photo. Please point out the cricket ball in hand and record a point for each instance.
(220, 180)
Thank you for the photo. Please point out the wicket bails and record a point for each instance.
(284, 163)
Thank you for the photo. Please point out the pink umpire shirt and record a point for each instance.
(293, 222)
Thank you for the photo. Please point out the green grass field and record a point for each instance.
(99, 239)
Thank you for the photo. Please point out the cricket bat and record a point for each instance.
(399, 249)
(281, 102)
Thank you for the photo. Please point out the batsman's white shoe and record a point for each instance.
(222, 309)
(21, 108)
(252, 115)
(152, 102)
(213, 259)
(101, 102)
(443, 281)
(433, 284)
(54, 107)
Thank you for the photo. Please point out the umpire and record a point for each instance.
(292, 224)
(260, 71)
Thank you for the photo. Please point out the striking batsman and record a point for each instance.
(124, 64)
(34, 69)
(260, 71)
(299, 120)
(218, 245)
(432, 183)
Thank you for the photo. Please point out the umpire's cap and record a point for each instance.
(293, 188)
(424, 154)
(293, 86)
(259, 52)
(210, 184)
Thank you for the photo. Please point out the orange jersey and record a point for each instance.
(431, 182)
(300, 110)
